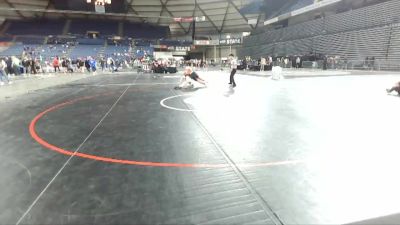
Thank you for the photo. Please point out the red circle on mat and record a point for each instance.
(46, 144)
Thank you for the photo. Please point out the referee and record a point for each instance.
(233, 63)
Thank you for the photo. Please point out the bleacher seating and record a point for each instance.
(80, 27)
(35, 27)
(85, 50)
(30, 40)
(142, 51)
(19, 48)
(144, 43)
(50, 51)
(135, 30)
(104, 27)
(394, 48)
(88, 41)
(355, 34)
(67, 46)
(6, 39)
(15, 50)
(355, 45)
(375, 15)
(124, 41)
(115, 50)
(298, 5)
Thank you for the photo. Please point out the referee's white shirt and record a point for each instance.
(233, 63)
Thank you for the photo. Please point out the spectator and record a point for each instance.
(16, 65)
(64, 64)
(298, 61)
(102, 64)
(325, 63)
(9, 66)
(3, 75)
(48, 67)
(68, 65)
(32, 65)
(111, 64)
(25, 65)
(262, 64)
(56, 64)
(286, 61)
(81, 65)
(366, 62)
(372, 64)
(92, 64)
(87, 65)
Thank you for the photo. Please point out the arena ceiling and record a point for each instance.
(221, 16)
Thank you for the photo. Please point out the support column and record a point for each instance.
(215, 53)
(66, 27)
(120, 29)
(219, 52)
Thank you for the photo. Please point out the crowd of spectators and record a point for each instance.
(53, 58)
(35, 61)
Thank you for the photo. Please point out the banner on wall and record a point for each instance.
(182, 48)
(206, 42)
(231, 41)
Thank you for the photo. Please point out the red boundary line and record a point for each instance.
(44, 143)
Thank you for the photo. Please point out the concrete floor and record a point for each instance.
(128, 149)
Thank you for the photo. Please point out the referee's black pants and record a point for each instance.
(232, 77)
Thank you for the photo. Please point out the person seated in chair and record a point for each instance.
(395, 88)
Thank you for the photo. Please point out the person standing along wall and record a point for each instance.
(92, 65)
(3, 75)
(263, 63)
(56, 64)
(298, 62)
(15, 62)
(102, 64)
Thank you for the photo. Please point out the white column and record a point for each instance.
(215, 53)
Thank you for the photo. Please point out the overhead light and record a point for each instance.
(228, 36)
